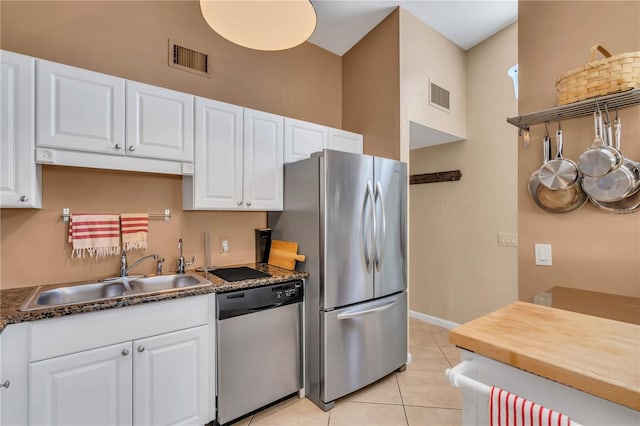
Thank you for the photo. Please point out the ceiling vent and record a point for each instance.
(438, 96)
(188, 59)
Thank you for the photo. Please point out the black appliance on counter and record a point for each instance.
(263, 244)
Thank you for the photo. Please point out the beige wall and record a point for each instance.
(426, 55)
(592, 250)
(458, 271)
(371, 89)
(130, 40)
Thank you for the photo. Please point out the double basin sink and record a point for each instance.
(113, 288)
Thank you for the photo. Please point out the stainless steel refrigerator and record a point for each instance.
(348, 212)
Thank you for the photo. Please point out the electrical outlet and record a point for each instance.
(507, 240)
(224, 245)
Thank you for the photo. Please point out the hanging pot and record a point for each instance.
(600, 159)
(559, 173)
(554, 201)
(618, 184)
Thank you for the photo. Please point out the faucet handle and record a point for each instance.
(193, 259)
(159, 266)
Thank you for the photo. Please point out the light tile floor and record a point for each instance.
(419, 396)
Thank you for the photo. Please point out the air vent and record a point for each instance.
(438, 96)
(188, 59)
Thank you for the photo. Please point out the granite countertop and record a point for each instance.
(11, 299)
(596, 355)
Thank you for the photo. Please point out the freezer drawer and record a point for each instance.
(361, 344)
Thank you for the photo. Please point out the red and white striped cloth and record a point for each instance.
(507, 409)
(135, 227)
(94, 235)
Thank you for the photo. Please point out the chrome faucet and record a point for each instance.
(124, 270)
(181, 262)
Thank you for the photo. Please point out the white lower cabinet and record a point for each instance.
(170, 378)
(86, 388)
(149, 364)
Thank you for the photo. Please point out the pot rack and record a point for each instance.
(577, 109)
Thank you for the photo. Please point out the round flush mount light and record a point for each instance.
(261, 24)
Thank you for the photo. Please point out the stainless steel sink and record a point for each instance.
(88, 292)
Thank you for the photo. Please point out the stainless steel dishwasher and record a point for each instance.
(259, 350)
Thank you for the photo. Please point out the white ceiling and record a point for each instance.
(342, 23)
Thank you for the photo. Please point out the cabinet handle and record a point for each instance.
(132, 148)
(24, 198)
(118, 146)
(239, 203)
(125, 352)
(140, 348)
(248, 203)
(5, 384)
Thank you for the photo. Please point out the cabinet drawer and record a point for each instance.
(55, 337)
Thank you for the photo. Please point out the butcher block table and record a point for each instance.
(595, 355)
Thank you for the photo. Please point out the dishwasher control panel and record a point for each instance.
(251, 300)
(287, 293)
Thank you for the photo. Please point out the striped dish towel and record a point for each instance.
(507, 409)
(135, 227)
(94, 235)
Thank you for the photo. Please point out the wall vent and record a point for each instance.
(438, 96)
(188, 59)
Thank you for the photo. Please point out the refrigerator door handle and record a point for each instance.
(353, 314)
(379, 253)
(368, 196)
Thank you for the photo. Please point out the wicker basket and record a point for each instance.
(613, 74)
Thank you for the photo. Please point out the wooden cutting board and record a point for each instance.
(284, 254)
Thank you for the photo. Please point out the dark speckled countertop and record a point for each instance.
(11, 299)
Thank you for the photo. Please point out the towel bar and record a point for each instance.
(66, 214)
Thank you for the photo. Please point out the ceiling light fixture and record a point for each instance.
(261, 24)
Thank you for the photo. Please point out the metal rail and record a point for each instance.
(577, 109)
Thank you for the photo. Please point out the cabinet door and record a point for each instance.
(159, 123)
(171, 378)
(79, 109)
(263, 160)
(301, 139)
(341, 140)
(20, 179)
(84, 388)
(217, 168)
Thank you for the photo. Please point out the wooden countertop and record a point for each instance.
(596, 355)
(11, 299)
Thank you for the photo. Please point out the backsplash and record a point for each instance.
(34, 242)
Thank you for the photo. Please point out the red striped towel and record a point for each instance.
(507, 409)
(135, 227)
(94, 235)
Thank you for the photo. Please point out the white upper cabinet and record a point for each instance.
(301, 139)
(238, 160)
(20, 178)
(341, 140)
(79, 109)
(159, 123)
(218, 166)
(263, 160)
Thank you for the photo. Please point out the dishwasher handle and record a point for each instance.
(354, 314)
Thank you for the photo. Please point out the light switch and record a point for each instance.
(543, 254)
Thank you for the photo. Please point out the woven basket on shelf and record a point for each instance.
(613, 74)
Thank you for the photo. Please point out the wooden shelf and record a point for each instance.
(577, 109)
